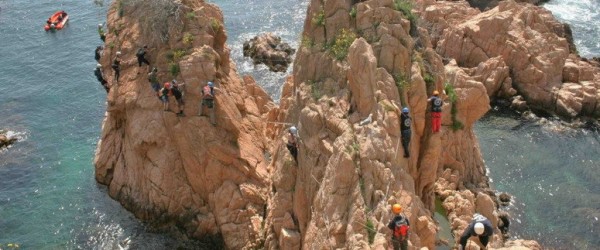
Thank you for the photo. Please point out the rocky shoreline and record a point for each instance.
(358, 61)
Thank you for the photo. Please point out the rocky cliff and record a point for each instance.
(182, 171)
(360, 61)
(526, 42)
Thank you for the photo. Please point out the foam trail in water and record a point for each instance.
(584, 18)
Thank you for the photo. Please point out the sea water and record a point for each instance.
(51, 100)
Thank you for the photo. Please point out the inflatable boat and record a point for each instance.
(57, 21)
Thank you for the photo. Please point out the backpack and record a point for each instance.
(401, 229)
(140, 52)
(207, 91)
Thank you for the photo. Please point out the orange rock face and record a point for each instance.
(351, 77)
(182, 171)
(530, 42)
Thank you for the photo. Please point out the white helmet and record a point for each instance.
(98, 65)
(293, 130)
(118, 53)
(99, 25)
(479, 228)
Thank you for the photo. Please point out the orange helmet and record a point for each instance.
(396, 208)
(435, 92)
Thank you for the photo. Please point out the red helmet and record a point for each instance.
(167, 85)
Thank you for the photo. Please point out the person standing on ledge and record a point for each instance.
(208, 98)
(153, 79)
(399, 226)
(177, 93)
(101, 33)
(100, 76)
(405, 131)
(292, 142)
(141, 56)
(436, 111)
(480, 226)
(164, 94)
(116, 66)
(98, 53)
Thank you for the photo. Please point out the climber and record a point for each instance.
(98, 53)
(292, 143)
(208, 96)
(399, 226)
(101, 32)
(141, 53)
(100, 77)
(480, 226)
(116, 66)
(177, 93)
(405, 131)
(164, 94)
(436, 111)
(153, 79)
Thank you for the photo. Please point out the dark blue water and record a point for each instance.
(50, 200)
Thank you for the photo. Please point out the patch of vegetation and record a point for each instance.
(111, 45)
(453, 98)
(120, 8)
(353, 12)
(215, 25)
(176, 54)
(174, 69)
(341, 44)
(387, 106)
(402, 83)
(117, 29)
(207, 54)
(319, 18)
(190, 15)
(307, 42)
(405, 6)
(370, 230)
(429, 79)
(356, 147)
(315, 90)
(188, 38)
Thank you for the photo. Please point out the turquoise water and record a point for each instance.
(553, 174)
(50, 200)
(48, 196)
(552, 171)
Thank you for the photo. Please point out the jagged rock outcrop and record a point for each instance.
(175, 171)
(338, 194)
(5, 139)
(531, 42)
(237, 179)
(269, 50)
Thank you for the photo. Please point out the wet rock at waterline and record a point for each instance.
(6, 140)
(270, 51)
(504, 199)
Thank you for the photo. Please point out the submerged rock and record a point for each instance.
(270, 51)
